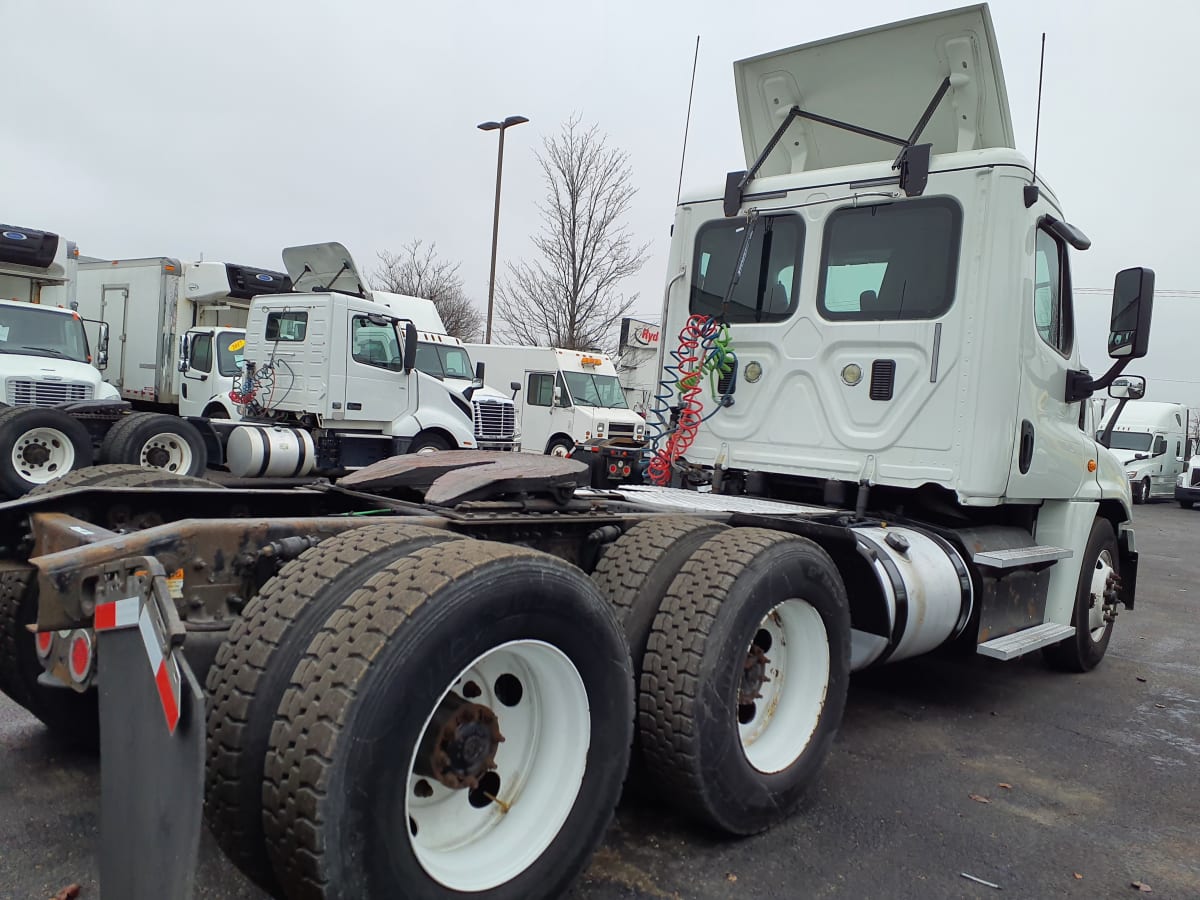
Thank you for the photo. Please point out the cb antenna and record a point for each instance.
(688, 124)
(1031, 189)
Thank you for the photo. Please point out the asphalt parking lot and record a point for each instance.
(1044, 784)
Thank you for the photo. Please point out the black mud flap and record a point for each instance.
(151, 778)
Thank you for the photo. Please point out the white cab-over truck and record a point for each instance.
(331, 381)
(570, 402)
(1149, 441)
(425, 680)
(174, 328)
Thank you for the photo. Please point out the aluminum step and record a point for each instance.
(1019, 557)
(1025, 641)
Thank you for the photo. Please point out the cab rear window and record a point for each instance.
(890, 261)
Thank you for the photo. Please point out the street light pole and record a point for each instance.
(493, 126)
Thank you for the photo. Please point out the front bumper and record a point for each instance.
(1187, 493)
(504, 446)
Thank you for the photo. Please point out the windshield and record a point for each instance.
(443, 360)
(596, 390)
(1129, 440)
(230, 347)
(30, 331)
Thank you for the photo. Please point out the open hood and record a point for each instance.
(881, 79)
(323, 267)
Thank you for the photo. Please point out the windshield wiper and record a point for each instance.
(49, 350)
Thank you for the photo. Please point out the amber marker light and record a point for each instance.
(1091, 465)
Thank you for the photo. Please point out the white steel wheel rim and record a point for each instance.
(59, 455)
(426, 450)
(784, 717)
(540, 764)
(166, 446)
(560, 450)
(1100, 575)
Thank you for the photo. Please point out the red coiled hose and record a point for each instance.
(691, 410)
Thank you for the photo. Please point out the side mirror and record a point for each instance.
(1133, 299)
(479, 370)
(410, 347)
(1128, 387)
(102, 347)
(514, 386)
(184, 346)
(557, 395)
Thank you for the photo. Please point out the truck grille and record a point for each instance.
(618, 429)
(22, 392)
(495, 420)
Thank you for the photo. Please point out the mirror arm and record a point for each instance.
(1106, 437)
(1081, 385)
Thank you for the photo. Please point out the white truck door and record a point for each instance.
(542, 416)
(1051, 452)
(195, 387)
(377, 388)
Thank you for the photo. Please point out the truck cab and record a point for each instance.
(210, 366)
(45, 356)
(877, 312)
(1148, 440)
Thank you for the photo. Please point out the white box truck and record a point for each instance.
(570, 403)
(170, 320)
(1149, 440)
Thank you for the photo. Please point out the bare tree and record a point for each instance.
(419, 272)
(569, 297)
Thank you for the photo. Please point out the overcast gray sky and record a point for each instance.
(232, 129)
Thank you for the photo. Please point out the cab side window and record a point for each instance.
(1160, 446)
(541, 390)
(1052, 313)
(202, 353)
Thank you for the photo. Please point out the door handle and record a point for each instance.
(1025, 458)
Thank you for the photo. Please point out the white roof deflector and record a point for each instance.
(323, 267)
(881, 79)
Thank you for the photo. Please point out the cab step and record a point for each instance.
(1025, 641)
(1021, 557)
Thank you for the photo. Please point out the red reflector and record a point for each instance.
(612, 467)
(44, 641)
(81, 657)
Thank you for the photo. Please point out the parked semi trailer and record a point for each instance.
(424, 680)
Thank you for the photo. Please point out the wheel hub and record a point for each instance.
(461, 743)
(158, 457)
(35, 454)
(754, 675)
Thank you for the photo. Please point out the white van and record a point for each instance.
(1149, 441)
(569, 401)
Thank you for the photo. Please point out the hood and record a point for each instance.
(43, 368)
(881, 79)
(1125, 457)
(323, 267)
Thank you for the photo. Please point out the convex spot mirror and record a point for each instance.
(1133, 300)
(1128, 387)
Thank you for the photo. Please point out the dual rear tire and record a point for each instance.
(741, 642)
(440, 716)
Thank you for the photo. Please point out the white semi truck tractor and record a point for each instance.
(424, 680)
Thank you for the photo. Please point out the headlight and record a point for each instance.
(1181, 479)
(1129, 473)
(599, 429)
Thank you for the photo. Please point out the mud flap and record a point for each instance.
(151, 778)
